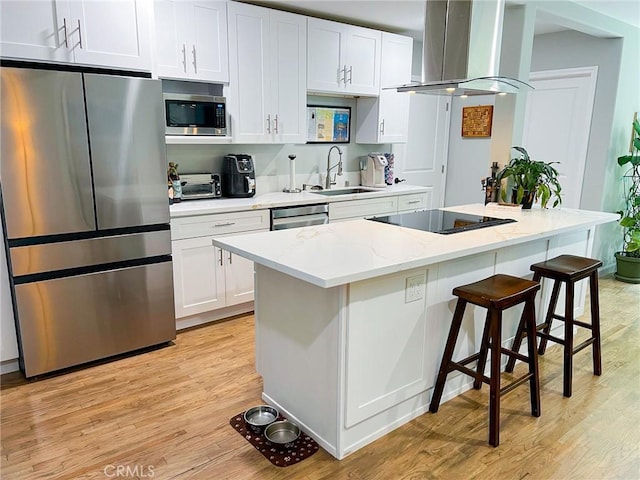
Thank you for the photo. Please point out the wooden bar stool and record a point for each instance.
(567, 269)
(496, 294)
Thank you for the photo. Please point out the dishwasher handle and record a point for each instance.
(296, 222)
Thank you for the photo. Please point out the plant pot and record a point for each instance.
(527, 199)
(628, 268)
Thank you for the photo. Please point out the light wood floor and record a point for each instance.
(166, 413)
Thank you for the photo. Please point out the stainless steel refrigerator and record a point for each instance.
(85, 215)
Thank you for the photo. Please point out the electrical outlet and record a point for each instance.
(414, 289)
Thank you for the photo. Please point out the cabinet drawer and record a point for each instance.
(412, 203)
(363, 208)
(219, 224)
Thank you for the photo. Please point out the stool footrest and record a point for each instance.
(511, 353)
(472, 373)
(584, 344)
(515, 383)
(469, 359)
(583, 325)
(551, 337)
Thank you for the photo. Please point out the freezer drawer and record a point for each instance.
(49, 257)
(74, 320)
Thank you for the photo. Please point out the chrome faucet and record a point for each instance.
(328, 181)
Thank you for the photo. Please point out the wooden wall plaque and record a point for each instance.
(476, 121)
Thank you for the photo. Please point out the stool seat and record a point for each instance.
(566, 270)
(567, 267)
(498, 291)
(496, 294)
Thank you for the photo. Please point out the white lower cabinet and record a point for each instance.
(205, 277)
(375, 207)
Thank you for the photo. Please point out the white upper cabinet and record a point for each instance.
(191, 40)
(343, 58)
(100, 33)
(385, 119)
(267, 75)
(35, 30)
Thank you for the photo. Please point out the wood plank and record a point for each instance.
(169, 409)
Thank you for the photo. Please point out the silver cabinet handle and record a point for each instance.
(275, 124)
(350, 74)
(342, 74)
(230, 258)
(220, 256)
(382, 127)
(184, 57)
(226, 224)
(414, 201)
(79, 33)
(195, 65)
(66, 38)
(269, 123)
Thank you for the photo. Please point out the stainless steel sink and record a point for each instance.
(346, 191)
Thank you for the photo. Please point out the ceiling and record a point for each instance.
(407, 16)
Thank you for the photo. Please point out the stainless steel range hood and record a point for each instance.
(461, 50)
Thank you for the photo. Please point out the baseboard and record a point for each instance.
(9, 366)
(213, 316)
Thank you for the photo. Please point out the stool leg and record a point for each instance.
(549, 318)
(568, 339)
(595, 323)
(517, 341)
(484, 348)
(446, 357)
(494, 385)
(529, 317)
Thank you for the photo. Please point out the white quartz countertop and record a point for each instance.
(344, 252)
(280, 199)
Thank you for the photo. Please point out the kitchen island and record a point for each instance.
(352, 317)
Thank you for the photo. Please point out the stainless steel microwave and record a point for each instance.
(188, 114)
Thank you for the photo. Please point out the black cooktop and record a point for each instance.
(442, 221)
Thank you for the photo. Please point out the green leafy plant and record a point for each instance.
(630, 216)
(532, 180)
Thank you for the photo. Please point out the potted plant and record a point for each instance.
(532, 180)
(628, 260)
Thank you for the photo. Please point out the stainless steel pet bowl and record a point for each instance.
(257, 418)
(282, 432)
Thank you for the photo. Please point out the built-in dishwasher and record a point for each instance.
(299, 216)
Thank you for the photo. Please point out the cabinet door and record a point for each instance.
(171, 44)
(326, 42)
(362, 61)
(288, 53)
(113, 34)
(198, 276)
(238, 279)
(249, 102)
(208, 52)
(35, 30)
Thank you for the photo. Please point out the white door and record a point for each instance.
(208, 52)
(362, 61)
(249, 66)
(114, 34)
(288, 54)
(35, 30)
(326, 44)
(238, 279)
(557, 124)
(171, 44)
(198, 276)
(397, 53)
(423, 159)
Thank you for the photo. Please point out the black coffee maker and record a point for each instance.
(238, 176)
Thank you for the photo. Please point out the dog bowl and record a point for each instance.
(257, 418)
(282, 432)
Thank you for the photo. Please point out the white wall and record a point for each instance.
(467, 164)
